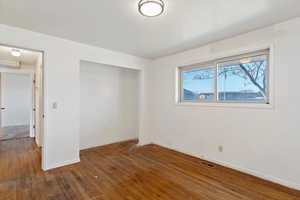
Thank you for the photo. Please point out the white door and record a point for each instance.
(16, 99)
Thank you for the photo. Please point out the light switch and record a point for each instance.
(54, 105)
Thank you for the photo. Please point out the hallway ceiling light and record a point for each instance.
(151, 8)
(16, 52)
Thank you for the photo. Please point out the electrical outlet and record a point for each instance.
(220, 148)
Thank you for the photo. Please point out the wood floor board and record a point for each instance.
(231, 178)
(123, 171)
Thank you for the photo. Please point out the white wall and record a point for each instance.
(109, 103)
(61, 66)
(16, 99)
(264, 142)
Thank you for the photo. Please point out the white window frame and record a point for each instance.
(267, 50)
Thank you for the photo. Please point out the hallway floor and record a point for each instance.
(12, 132)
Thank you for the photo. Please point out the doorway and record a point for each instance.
(109, 104)
(21, 94)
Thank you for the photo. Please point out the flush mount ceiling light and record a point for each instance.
(16, 52)
(151, 8)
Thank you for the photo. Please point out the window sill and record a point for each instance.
(227, 105)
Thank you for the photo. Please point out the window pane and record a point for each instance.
(199, 85)
(243, 80)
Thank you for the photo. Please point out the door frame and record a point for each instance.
(43, 102)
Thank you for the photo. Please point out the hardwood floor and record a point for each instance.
(124, 171)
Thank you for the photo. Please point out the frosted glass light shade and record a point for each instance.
(151, 8)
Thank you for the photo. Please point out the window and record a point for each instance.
(198, 82)
(242, 78)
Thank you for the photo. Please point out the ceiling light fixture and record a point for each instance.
(151, 8)
(16, 52)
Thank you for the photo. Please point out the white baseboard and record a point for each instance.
(61, 164)
(256, 173)
(273, 179)
(90, 146)
(139, 144)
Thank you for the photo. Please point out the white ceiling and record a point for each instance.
(27, 57)
(117, 25)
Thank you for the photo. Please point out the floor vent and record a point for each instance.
(209, 165)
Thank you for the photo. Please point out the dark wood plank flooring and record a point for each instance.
(124, 171)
